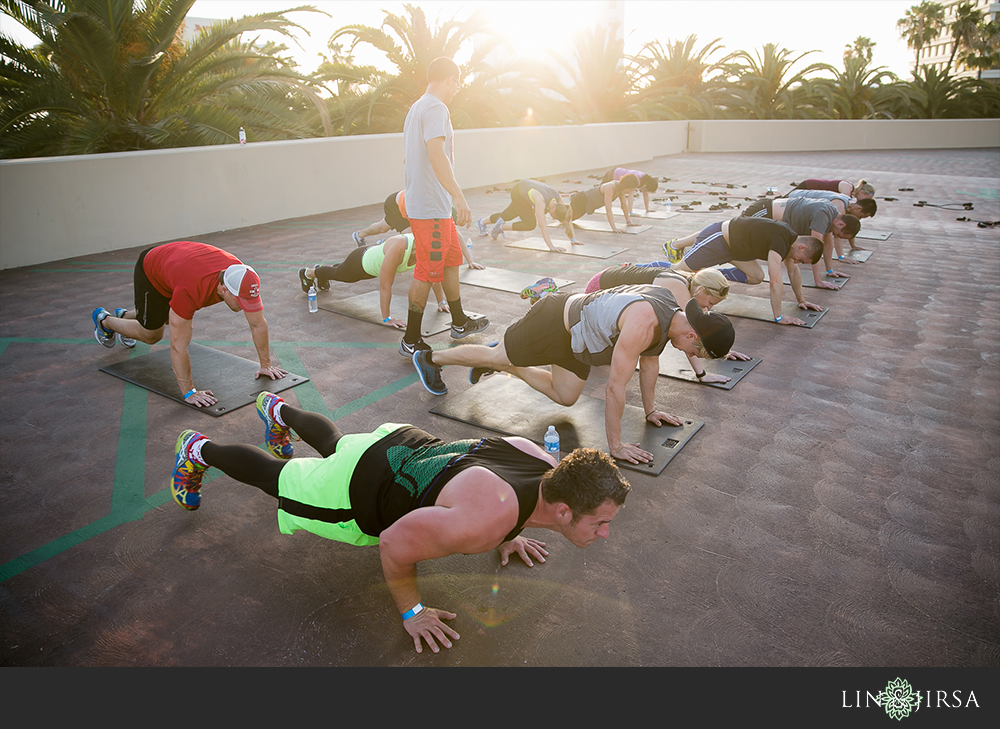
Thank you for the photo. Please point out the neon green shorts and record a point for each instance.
(325, 483)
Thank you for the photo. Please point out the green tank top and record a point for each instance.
(371, 260)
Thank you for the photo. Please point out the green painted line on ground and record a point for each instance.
(127, 503)
(987, 193)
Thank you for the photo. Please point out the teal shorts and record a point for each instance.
(325, 483)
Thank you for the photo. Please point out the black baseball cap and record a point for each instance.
(714, 330)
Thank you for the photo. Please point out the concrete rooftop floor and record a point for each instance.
(841, 506)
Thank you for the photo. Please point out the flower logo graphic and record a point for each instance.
(898, 699)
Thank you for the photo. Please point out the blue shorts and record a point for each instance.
(709, 249)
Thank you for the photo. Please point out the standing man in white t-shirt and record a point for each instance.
(431, 190)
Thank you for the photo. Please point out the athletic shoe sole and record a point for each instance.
(126, 342)
(189, 500)
(278, 450)
(102, 335)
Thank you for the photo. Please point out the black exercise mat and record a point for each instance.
(860, 256)
(601, 226)
(675, 364)
(506, 405)
(586, 250)
(230, 378)
(807, 278)
(874, 234)
(751, 307)
(367, 307)
(500, 279)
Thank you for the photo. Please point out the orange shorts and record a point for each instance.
(437, 246)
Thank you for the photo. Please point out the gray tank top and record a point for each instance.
(593, 320)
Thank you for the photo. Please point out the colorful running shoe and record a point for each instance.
(482, 227)
(186, 483)
(540, 287)
(358, 239)
(673, 255)
(122, 339)
(101, 334)
(497, 230)
(276, 436)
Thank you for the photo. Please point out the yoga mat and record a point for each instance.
(641, 213)
(500, 279)
(751, 307)
(860, 256)
(506, 405)
(230, 378)
(586, 250)
(807, 278)
(675, 364)
(601, 226)
(874, 234)
(366, 308)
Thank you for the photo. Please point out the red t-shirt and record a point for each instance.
(187, 273)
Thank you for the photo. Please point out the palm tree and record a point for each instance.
(859, 91)
(921, 25)
(861, 48)
(983, 49)
(963, 28)
(380, 99)
(672, 80)
(113, 75)
(934, 94)
(601, 86)
(763, 86)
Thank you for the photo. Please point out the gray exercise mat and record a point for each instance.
(860, 256)
(506, 405)
(500, 279)
(752, 307)
(586, 250)
(874, 234)
(367, 307)
(641, 213)
(601, 226)
(675, 364)
(808, 280)
(230, 378)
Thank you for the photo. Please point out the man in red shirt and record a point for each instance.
(171, 282)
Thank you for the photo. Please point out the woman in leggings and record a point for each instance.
(382, 261)
(530, 201)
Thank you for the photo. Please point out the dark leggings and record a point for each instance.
(348, 271)
(520, 209)
(255, 467)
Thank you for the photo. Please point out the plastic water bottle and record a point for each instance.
(243, 136)
(666, 208)
(313, 306)
(552, 441)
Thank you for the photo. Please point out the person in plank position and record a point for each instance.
(622, 327)
(414, 495)
(171, 282)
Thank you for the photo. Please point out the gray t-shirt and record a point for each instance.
(803, 215)
(821, 195)
(426, 197)
(593, 320)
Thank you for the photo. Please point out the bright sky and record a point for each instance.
(799, 25)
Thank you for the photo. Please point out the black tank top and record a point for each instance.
(408, 468)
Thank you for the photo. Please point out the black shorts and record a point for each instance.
(759, 209)
(540, 338)
(151, 307)
(393, 218)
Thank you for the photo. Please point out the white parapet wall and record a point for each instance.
(62, 207)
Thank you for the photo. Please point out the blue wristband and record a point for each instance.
(386, 320)
(778, 318)
(418, 608)
(190, 392)
(829, 272)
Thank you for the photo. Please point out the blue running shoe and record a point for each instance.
(482, 227)
(185, 486)
(497, 230)
(277, 436)
(127, 342)
(430, 373)
(101, 334)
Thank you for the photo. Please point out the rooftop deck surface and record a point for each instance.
(841, 506)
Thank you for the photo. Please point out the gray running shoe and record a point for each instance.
(358, 239)
(408, 350)
(471, 326)
(430, 373)
(122, 339)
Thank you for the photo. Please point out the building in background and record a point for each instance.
(937, 53)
